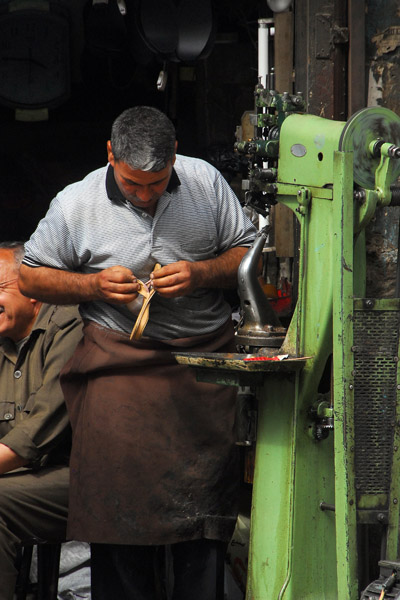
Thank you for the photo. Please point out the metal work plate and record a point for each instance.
(365, 126)
(376, 347)
(239, 362)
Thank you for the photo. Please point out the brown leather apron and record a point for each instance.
(153, 458)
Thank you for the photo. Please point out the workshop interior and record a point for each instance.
(297, 103)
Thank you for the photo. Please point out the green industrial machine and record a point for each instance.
(328, 432)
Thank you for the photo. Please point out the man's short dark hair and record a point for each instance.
(144, 138)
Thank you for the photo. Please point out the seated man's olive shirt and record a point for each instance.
(33, 416)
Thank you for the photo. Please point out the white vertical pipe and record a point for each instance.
(263, 70)
(263, 50)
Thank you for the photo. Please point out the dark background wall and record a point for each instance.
(342, 54)
(204, 97)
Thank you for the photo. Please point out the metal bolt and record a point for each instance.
(395, 501)
(351, 386)
(381, 517)
(398, 387)
(396, 448)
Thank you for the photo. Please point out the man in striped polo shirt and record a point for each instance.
(153, 461)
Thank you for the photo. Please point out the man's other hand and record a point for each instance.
(176, 279)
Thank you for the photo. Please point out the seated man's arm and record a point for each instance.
(10, 460)
(46, 422)
(115, 284)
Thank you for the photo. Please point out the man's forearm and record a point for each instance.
(55, 286)
(221, 271)
(116, 284)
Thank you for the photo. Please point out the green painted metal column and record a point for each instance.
(273, 492)
(293, 543)
(343, 381)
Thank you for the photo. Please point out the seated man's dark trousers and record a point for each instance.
(33, 505)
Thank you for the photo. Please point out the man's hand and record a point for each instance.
(117, 285)
(176, 279)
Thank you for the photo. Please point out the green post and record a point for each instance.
(297, 550)
(293, 543)
(343, 379)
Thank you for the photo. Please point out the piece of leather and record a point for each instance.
(143, 316)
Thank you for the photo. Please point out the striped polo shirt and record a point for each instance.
(91, 226)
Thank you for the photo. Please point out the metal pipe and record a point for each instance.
(263, 49)
(327, 506)
(260, 327)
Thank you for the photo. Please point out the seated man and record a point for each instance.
(36, 340)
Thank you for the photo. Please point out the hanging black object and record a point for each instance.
(177, 31)
(196, 29)
(158, 26)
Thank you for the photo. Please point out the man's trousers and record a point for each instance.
(33, 506)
